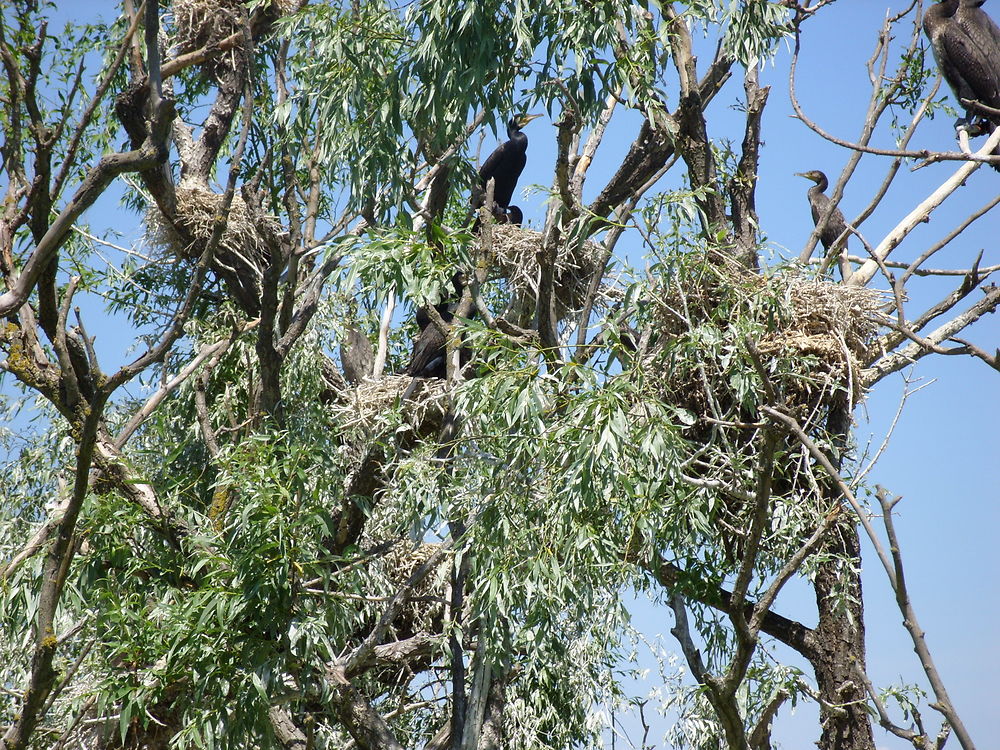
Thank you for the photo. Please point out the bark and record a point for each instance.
(838, 642)
(838, 647)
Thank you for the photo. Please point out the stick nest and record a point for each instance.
(517, 250)
(832, 324)
(203, 23)
(367, 405)
(188, 236)
(813, 337)
(425, 611)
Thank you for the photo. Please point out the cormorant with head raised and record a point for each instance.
(819, 202)
(966, 46)
(504, 165)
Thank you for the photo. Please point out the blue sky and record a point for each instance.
(944, 453)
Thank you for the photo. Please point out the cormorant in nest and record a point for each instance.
(356, 356)
(513, 216)
(429, 347)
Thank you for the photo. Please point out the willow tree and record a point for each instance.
(213, 538)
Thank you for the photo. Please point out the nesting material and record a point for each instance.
(424, 612)
(366, 406)
(832, 324)
(196, 212)
(200, 23)
(815, 335)
(516, 251)
(821, 309)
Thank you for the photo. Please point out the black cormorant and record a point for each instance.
(504, 165)
(966, 46)
(514, 216)
(820, 203)
(429, 347)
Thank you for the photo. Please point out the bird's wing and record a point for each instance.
(985, 35)
(970, 74)
(428, 347)
(973, 11)
(489, 167)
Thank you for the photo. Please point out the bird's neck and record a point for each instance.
(518, 138)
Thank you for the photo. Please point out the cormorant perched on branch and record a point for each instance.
(429, 347)
(819, 203)
(504, 165)
(966, 45)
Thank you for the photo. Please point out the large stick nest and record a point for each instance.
(425, 612)
(366, 407)
(203, 23)
(517, 253)
(834, 325)
(247, 243)
(718, 330)
(246, 236)
(813, 336)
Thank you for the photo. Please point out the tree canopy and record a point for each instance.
(243, 525)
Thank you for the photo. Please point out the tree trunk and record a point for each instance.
(839, 647)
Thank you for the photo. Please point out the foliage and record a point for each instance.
(238, 547)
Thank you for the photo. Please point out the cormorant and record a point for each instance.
(819, 203)
(505, 164)
(511, 215)
(356, 356)
(966, 46)
(429, 347)
(514, 216)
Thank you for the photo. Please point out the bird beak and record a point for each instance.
(528, 118)
(799, 174)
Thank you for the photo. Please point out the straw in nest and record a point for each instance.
(196, 212)
(200, 23)
(516, 251)
(397, 565)
(365, 405)
(834, 324)
(824, 334)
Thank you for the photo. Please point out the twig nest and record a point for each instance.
(814, 336)
(833, 325)
(425, 611)
(368, 405)
(243, 238)
(822, 308)
(201, 23)
(517, 255)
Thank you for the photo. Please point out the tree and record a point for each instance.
(244, 549)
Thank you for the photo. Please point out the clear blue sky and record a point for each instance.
(944, 454)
